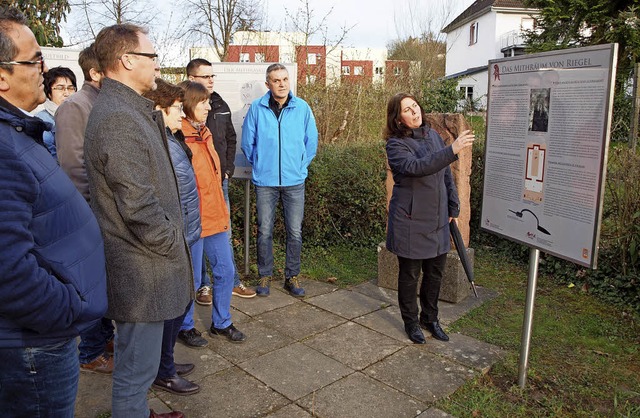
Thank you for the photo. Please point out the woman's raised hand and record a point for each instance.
(465, 140)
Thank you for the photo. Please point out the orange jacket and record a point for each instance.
(206, 164)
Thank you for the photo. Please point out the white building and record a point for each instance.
(486, 30)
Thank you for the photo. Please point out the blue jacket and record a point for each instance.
(52, 265)
(424, 195)
(279, 149)
(187, 189)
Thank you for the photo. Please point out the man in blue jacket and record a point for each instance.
(52, 265)
(279, 138)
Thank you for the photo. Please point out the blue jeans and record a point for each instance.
(167, 366)
(137, 357)
(94, 339)
(293, 206)
(39, 381)
(225, 192)
(197, 261)
(218, 251)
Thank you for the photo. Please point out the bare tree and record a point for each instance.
(93, 15)
(303, 20)
(216, 21)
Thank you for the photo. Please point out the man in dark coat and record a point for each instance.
(224, 140)
(134, 195)
(52, 266)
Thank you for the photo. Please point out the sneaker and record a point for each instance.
(292, 285)
(243, 292)
(263, 288)
(103, 364)
(232, 333)
(203, 296)
(192, 338)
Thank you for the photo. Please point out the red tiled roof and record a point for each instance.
(479, 5)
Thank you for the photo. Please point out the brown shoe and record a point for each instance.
(109, 347)
(243, 292)
(203, 296)
(172, 414)
(103, 364)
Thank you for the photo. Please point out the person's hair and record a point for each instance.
(395, 128)
(275, 67)
(114, 41)
(196, 63)
(88, 60)
(8, 49)
(54, 74)
(165, 94)
(194, 93)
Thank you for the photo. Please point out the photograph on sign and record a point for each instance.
(548, 121)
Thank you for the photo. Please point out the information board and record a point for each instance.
(239, 84)
(548, 123)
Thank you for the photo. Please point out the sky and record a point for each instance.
(368, 23)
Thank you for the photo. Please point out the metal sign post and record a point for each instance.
(527, 325)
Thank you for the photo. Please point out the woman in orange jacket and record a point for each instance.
(213, 211)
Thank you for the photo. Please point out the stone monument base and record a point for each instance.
(455, 285)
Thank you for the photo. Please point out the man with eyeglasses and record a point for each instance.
(134, 194)
(52, 264)
(96, 343)
(224, 139)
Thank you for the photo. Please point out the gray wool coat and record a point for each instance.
(134, 195)
(424, 195)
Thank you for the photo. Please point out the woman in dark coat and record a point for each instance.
(423, 201)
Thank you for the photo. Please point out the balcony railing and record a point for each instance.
(511, 39)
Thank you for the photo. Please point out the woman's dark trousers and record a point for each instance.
(408, 275)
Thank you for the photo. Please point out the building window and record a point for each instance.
(473, 33)
(244, 57)
(346, 70)
(379, 70)
(259, 57)
(285, 58)
(466, 92)
(311, 59)
(397, 70)
(358, 70)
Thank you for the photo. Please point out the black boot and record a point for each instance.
(415, 333)
(435, 330)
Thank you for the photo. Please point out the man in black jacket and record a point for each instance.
(224, 140)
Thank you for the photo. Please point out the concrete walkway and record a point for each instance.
(334, 354)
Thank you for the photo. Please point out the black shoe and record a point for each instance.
(184, 369)
(435, 329)
(415, 333)
(176, 384)
(232, 333)
(192, 338)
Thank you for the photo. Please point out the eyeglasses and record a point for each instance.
(205, 77)
(153, 56)
(40, 61)
(70, 89)
(180, 107)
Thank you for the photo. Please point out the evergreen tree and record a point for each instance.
(44, 18)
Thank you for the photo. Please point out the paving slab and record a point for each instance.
(261, 304)
(421, 374)
(230, 393)
(260, 340)
(358, 396)
(451, 312)
(354, 345)
(466, 351)
(99, 401)
(434, 413)
(386, 321)
(374, 291)
(206, 360)
(290, 411)
(295, 370)
(346, 303)
(300, 320)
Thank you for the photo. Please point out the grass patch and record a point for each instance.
(584, 359)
